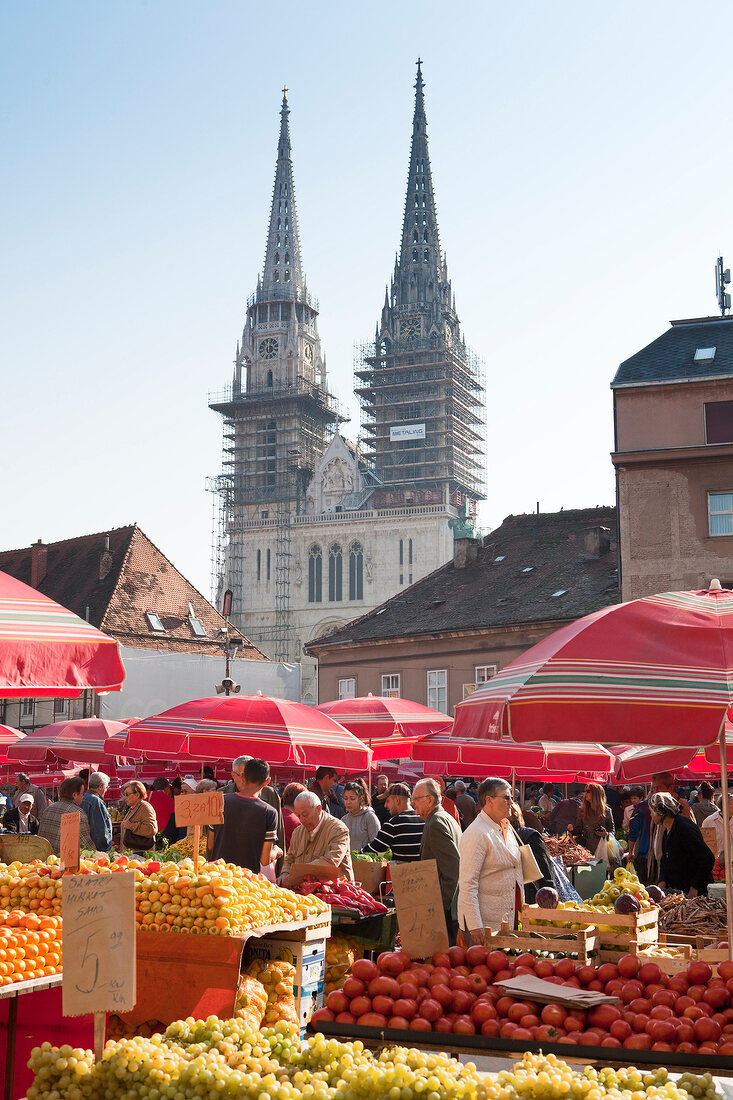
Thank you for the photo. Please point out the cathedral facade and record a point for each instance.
(315, 530)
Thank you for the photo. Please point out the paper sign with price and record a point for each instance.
(419, 905)
(200, 809)
(99, 943)
(69, 842)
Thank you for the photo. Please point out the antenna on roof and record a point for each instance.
(722, 278)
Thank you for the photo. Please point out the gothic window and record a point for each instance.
(335, 574)
(277, 240)
(417, 185)
(287, 226)
(269, 378)
(287, 276)
(287, 257)
(416, 204)
(426, 255)
(259, 564)
(414, 255)
(276, 275)
(409, 553)
(268, 563)
(277, 257)
(423, 184)
(279, 223)
(425, 237)
(315, 575)
(423, 202)
(356, 572)
(414, 237)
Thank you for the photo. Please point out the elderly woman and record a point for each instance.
(360, 819)
(139, 824)
(490, 881)
(687, 862)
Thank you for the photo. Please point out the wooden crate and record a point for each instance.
(669, 964)
(703, 947)
(625, 927)
(582, 942)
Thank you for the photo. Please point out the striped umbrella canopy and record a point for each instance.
(83, 739)
(46, 650)
(389, 726)
(451, 754)
(653, 671)
(226, 726)
(642, 762)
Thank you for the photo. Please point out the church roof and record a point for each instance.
(533, 568)
(116, 588)
(283, 271)
(689, 350)
(420, 223)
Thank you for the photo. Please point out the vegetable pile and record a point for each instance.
(342, 895)
(371, 857)
(693, 916)
(568, 849)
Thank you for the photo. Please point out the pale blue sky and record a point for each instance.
(582, 165)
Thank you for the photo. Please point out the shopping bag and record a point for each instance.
(614, 850)
(601, 851)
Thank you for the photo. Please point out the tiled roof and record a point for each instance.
(140, 578)
(671, 357)
(518, 568)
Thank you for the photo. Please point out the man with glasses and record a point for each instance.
(490, 880)
(402, 834)
(440, 840)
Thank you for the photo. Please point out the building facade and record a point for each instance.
(314, 530)
(673, 456)
(448, 633)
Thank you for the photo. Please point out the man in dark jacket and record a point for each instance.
(21, 819)
(440, 841)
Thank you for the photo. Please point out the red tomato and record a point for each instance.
(661, 1012)
(640, 1021)
(664, 997)
(610, 1041)
(372, 1019)
(477, 984)
(686, 1048)
(443, 994)
(347, 1018)
(554, 1015)
(585, 974)
(565, 968)
(603, 1016)
(590, 1038)
(431, 1009)
(662, 1031)
(544, 968)
(365, 970)
(640, 1004)
(458, 981)
(443, 1025)
(678, 983)
(693, 1013)
(389, 962)
(529, 1020)
(682, 1003)
(502, 975)
(522, 1034)
(707, 1030)
(607, 972)
(407, 989)
(419, 976)
(400, 1023)
(406, 1007)
(726, 1048)
(360, 1005)
(440, 958)
(383, 986)
(483, 1010)
(477, 954)
(457, 956)
(496, 961)
(614, 987)
(725, 970)
(638, 1042)
(620, 1030)
(503, 1005)
(420, 1024)
(354, 988)
(716, 997)
(699, 973)
(490, 1027)
(464, 1025)
(461, 1001)
(482, 971)
(628, 966)
(383, 1005)
(440, 976)
(337, 1001)
(507, 1029)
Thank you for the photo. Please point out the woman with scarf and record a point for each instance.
(686, 861)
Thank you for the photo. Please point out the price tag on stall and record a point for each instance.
(99, 943)
(200, 809)
(69, 842)
(419, 905)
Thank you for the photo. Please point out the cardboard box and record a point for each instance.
(309, 959)
(369, 874)
(307, 1000)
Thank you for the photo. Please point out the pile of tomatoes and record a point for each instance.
(458, 992)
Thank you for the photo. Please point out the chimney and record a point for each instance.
(105, 560)
(465, 551)
(39, 563)
(597, 542)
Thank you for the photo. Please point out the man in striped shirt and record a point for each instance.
(402, 832)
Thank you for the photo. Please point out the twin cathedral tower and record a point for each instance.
(314, 531)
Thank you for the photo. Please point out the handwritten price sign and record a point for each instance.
(419, 906)
(99, 943)
(200, 809)
(69, 842)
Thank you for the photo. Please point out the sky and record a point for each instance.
(581, 164)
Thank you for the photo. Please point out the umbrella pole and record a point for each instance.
(724, 808)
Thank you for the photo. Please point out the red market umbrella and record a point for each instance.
(46, 650)
(389, 726)
(76, 739)
(537, 759)
(640, 763)
(653, 671)
(223, 727)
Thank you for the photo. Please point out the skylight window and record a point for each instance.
(500, 558)
(154, 622)
(560, 592)
(704, 355)
(197, 627)
(528, 569)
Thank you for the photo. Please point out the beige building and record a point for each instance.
(445, 635)
(673, 454)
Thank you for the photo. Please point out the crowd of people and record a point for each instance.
(476, 833)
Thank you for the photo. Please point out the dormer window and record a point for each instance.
(154, 623)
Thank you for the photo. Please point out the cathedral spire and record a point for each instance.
(420, 258)
(283, 276)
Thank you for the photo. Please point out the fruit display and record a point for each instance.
(693, 916)
(278, 980)
(569, 851)
(460, 992)
(30, 946)
(371, 857)
(341, 953)
(221, 899)
(251, 1001)
(220, 1058)
(119, 1028)
(185, 848)
(342, 895)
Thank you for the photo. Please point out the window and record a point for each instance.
(484, 673)
(259, 565)
(315, 575)
(356, 572)
(154, 622)
(347, 689)
(27, 711)
(719, 421)
(269, 379)
(438, 690)
(704, 355)
(335, 574)
(391, 685)
(60, 708)
(720, 513)
(268, 563)
(197, 627)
